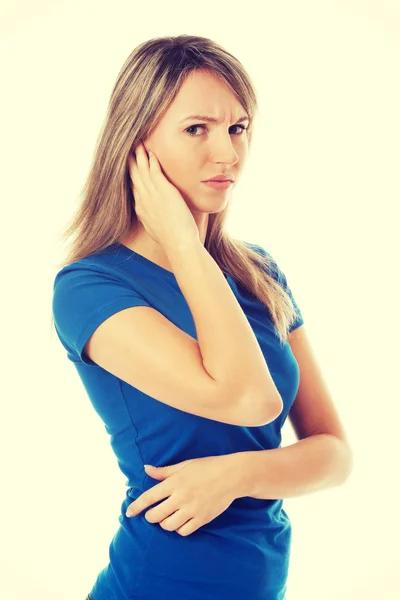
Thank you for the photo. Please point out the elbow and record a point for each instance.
(266, 409)
(275, 407)
(348, 464)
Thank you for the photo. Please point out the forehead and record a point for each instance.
(202, 93)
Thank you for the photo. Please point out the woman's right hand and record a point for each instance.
(158, 203)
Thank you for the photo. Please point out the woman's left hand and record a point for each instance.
(197, 491)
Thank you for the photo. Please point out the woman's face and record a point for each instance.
(189, 155)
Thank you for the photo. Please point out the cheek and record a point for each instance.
(177, 174)
(170, 166)
(182, 170)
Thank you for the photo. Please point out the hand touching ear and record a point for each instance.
(158, 203)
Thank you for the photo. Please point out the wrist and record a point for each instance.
(179, 244)
(240, 472)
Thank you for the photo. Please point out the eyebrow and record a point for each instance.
(211, 119)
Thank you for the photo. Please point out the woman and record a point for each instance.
(179, 332)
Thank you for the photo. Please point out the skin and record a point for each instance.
(194, 492)
(189, 158)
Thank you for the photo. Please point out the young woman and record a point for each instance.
(180, 334)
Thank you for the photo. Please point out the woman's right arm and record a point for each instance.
(230, 351)
(221, 376)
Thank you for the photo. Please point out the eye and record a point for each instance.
(242, 127)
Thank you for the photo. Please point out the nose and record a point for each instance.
(222, 151)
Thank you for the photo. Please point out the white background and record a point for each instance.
(320, 192)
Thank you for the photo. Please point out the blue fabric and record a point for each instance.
(242, 553)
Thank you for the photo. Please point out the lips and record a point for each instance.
(219, 178)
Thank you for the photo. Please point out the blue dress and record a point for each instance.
(244, 552)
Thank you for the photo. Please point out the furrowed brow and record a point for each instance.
(211, 119)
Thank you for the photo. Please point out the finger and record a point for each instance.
(136, 180)
(138, 505)
(151, 162)
(188, 527)
(132, 166)
(141, 155)
(143, 168)
(133, 509)
(162, 511)
(175, 521)
(147, 499)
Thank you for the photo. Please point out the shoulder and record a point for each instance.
(269, 264)
(96, 264)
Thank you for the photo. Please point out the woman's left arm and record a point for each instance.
(315, 463)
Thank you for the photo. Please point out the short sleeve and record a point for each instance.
(83, 297)
(299, 317)
(280, 277)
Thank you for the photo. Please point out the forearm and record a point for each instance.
(230, 351)
(314, 463)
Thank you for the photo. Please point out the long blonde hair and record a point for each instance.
(147, 83)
